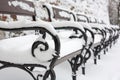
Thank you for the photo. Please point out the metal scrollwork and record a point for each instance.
(87, 55)
(49, 74)
(76, 35)
(41, 48)
(75, 63)
(38, 43)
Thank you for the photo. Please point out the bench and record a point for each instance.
(108, 33)
(25, 55)
(99, 34)
(54, 11)
(96, 31)
(84, 21)
(44, 50)
(114, 34)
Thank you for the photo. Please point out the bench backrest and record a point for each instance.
(92, 20)
(82, 18)
(17, 7)
(61, 14)
(58, 14)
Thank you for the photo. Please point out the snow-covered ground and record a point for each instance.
(108, 68)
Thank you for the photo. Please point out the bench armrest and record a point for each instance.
(32, 25)
(71, 25)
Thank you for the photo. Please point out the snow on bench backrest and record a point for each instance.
(92, 19)
(22, 7)
(19, 7)
(82, 18)
(59, 14)
(15, 8)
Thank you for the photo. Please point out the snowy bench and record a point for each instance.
(98, 41)
(82, 18)
(84, 21)
(97, 31)
(56, 13)
(93, 30)
(78, 32)
(114, 34)
(29, 51)
(107, 36)
(43, 50)
(108, 33)
(111, 36)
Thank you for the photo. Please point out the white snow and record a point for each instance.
(67, 24)
(27, 23)
(51, 10)
(70, 45)
(21, 4)
(64, 14)
(108, 68)
(16, 51)
(97, 8)
(22, 49)
(86, 25)
(97, 38)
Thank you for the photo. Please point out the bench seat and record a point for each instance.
(18, 50)
(97, 39)
(107, 36)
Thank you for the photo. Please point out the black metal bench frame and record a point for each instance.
(7, 8)
(53, 13)
(96, 48)
(74, 58)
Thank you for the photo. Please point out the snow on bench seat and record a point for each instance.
(67, 24)
(18, 50)
(69, 46)
(27, 24)
(97, 38)
(107, 36)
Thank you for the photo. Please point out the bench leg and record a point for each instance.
(74, 75)
(83, 69)
(99, 57)
(83, 65)
(85, 58)
(104, 51)
(87, 55)
(107, 49)
(49, 74)
(20, 67)
(95, 60)
(75, 63)
(110, 45)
